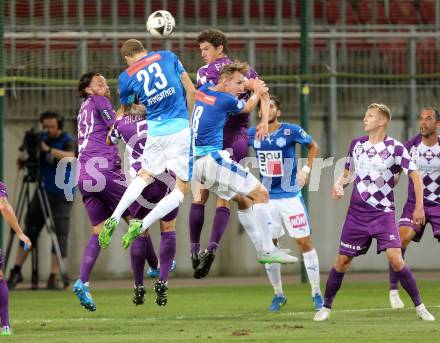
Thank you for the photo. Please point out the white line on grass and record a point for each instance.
(218, 316)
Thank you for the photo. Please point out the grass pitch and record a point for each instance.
(221, 314)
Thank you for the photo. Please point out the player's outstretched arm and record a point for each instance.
(11, 219)
(190, 91)
(262, 128)
(338, 188)
(419, 212)
(304, 173)
(260, 89)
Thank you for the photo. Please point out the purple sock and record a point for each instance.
(151, 256)
(4, 307)
(167, 253)
(138, 254)
(334, 282)
(196, 219)
(219, 225)
(408, 282)
(394, 278)
(90, 255)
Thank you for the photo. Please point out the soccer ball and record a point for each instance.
(161, 24)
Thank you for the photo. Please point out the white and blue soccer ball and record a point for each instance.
(161, 24)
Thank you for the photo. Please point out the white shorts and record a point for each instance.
(289, 214)
(170, 152)
(218, 173)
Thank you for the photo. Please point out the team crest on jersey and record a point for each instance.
(429, 155)
(257, 144)
(359, 150)
(270, 163)
(281, 142)
(286, 132)
(414, 154)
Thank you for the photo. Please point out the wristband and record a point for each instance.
(306, 169)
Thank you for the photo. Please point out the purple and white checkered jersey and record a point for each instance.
(427, 160)
(209, 73)
(95, 118)
(132, 129)
(375, 167)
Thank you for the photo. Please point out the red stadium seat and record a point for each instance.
(427, 12)
(395, 54)
(334, 15)
(403, 12)
(365, 13)
(427, 56)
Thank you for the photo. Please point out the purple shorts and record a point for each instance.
(237, 142)
(152, 194)
(358, 232)
(432, 216)
(101, 193)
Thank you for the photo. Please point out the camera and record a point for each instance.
(32, 146)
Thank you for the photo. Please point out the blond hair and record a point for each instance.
(229, 69)
(131, 48)
(382, 109)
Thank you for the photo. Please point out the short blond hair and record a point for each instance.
(382, 109)
(229, 69)
(131, 48)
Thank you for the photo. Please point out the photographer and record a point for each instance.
(52, 145)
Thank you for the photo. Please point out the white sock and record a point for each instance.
(273, 271)
(163, 207)
(263, 220)
(311, 263)
(247, 220)
(131, 194)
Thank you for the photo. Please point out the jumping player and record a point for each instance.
(132, 129)
(214, 49)
(214, 169)
(375, 160)
(424, 150)
(101, 181)
(278, 171)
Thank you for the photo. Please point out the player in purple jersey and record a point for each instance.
(9, 215)
(100, 180)
(375, 161)
(132, 129)
(214, 49)
(424, 150)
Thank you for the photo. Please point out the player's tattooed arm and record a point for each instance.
(337, 191)
(419, 212)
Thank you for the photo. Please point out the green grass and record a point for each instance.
(220, 314)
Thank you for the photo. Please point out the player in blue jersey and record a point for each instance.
(278, 170)
(162, 85)
(213, 167)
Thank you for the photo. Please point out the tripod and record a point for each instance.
(23, 203)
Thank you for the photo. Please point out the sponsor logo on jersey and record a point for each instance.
(205, 98)
(106, 114)
(303, 133)
(271, 163)
(281, 142)
(257, 144)
(135, 67)
(298, 221)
